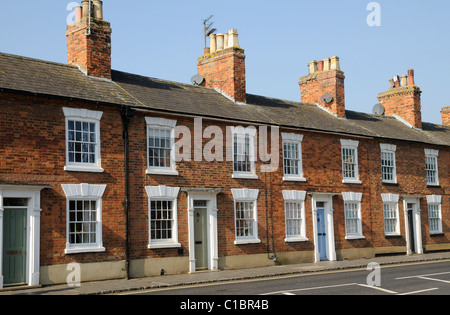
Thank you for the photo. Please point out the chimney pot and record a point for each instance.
(78, 13)
(213, 43)
(312, 66)
(396, 81)
(404, 80)
(326, 64)
(391, 84)
(220, 39)
(233, 38)
(320, 65)
(85, 4)
(97, 9)
(411, 77)
(335, 63)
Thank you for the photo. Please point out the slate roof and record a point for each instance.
(27, 75)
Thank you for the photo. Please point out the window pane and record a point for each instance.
(160, 144)
(241, 157)
(81, 140)
(293, 219)
(161, 220)
(244, 219)
(82, 222)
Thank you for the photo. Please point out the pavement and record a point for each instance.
(167, 281)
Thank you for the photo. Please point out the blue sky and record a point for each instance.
(163, 39)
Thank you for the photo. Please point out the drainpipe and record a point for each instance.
(127, 113)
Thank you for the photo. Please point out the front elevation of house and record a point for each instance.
(129, 176)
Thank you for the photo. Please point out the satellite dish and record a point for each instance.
(197, 79)
(327, 98)
(378, 110)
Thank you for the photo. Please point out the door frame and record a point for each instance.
(327, 198)
(210, 196)
(33, 194)
(417, 224)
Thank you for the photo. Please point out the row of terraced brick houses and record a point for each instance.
(131, 176)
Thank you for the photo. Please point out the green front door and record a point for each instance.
(201, 239)
(14, 245)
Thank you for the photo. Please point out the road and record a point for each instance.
(431, 278)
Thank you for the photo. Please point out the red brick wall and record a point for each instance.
(404, 102)
(446, 116)
(32, 146)
(91, 52)
(225, 70)
(315, 85)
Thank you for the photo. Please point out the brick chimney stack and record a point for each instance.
(89, 40)
(446, 116)
(403, 100)
(223, 66)
(325, 78)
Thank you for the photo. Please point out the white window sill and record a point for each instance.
(154, 171)
(245, 176)
(355, 237)
(84, 249)
(296, 239)
(433, 184)
(351, 181)
(164, 245)
(392, 234)
(290, 178)
(84, 168)
(389, 182)
(247, 241)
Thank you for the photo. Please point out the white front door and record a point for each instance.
(203, 237)
(323, 227)
(413, 225)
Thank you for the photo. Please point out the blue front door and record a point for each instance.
(321, 234)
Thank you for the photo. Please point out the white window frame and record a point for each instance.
(85, 192)
(435, 201)
(163, 193)
(297, 198)
(242, 132)
(432, 155)
(391, 200)
(389, 149)
(353, 199)
(296, 139)
(88, 116)
(246, 195)
(347, 144)
(162, 124)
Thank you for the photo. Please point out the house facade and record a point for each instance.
(130, 176)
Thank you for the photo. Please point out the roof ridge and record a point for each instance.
(36, 60)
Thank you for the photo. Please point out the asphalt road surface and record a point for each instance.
(431, 278)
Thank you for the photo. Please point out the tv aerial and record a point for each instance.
(208, 29)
